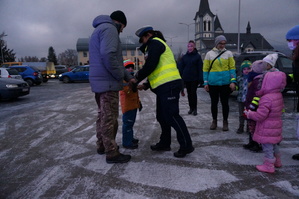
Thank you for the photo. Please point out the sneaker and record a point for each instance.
(159, 147)
(133, 146)
(182, 153)
(121, 158)
(135, 141)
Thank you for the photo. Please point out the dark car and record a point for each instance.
(79, 74)
(283, 63)
(13, 88)
(30, 74)
(61, 69)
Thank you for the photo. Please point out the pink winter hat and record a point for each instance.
(259, 66)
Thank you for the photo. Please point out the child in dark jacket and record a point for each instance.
(268, 129)
(242, 82)
(251, 102)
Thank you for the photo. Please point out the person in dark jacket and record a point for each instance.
(292, 37)
(106, 80)
(165, 81)
(190, 68)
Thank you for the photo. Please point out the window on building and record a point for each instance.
(132, 52)
(84, 54)
(204, 26)
(124, 53)
(209, 25)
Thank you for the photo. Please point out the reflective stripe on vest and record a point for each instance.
(166, 70)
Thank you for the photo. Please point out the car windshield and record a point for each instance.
(286, 62)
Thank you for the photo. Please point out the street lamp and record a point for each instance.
(188, 27)
(2, 35)
(171, 40)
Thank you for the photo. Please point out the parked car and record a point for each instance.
(61, 69)
(13, 88)
(283, 64)
(79, 74)
(30, 74)
(9, 73)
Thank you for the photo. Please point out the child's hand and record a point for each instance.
(245, 113)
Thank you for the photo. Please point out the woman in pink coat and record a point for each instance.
(268, 129)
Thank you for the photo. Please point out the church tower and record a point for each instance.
(206, 24)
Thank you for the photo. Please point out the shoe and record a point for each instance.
(159, 147)
(248, 146)
(121, 158)
(182, 153)
(267, 167)
(295, 157)
(101, 151)
(225, 125)
(135, 141)
(240, 129)
(190, 111)
(256, 148)
(213, 125)
(194, 112)
(133, 146)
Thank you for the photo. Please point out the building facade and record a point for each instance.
(130, 50)
(208, 26)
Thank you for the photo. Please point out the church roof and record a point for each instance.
(254, 39)
(217, 25)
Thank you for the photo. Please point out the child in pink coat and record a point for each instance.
(268, 131)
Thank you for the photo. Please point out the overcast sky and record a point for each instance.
(32, 26)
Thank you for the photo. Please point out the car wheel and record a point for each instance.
(29, 82)
(38, 83)
(66, 79)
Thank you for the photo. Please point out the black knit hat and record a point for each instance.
(119, 16)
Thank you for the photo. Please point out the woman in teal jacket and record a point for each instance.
(219, 79)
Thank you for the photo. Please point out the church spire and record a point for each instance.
(204, 8)
(248, 29)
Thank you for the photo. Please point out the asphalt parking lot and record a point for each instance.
(47, 150)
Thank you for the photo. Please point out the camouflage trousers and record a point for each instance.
(107, 124)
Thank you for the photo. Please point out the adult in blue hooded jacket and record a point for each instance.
(106, 80)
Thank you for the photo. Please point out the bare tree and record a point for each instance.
(68, 57)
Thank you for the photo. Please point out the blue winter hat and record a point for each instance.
(293, 33)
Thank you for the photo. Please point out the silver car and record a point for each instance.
(9, 73)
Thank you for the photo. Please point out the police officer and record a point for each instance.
(165, 81)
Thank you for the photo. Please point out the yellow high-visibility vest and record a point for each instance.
(166, 70)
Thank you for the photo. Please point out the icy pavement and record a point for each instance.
(50, 152)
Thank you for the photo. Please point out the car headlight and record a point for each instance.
(11, 86)
(60, 75)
